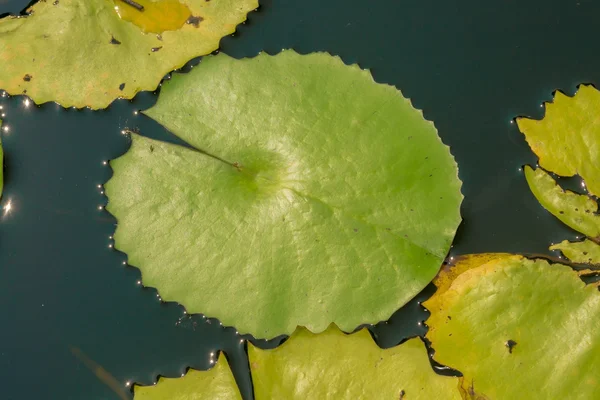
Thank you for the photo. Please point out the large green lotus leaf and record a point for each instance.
(333, 365)
(517, 328)
(576, 210)
(81, 53)
(567, 140)
(586, 252)
(315, 196)
(217, 383)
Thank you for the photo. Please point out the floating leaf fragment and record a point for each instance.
(311, 195)
(567, 139)
(217, 383)
(81, 53)
(576, 210)
(517, 329)
(333, 365)
(586, 252)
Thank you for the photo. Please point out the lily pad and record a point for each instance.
(329, 365)
(567, 140)
(81, 53)
(333, 365)
(310, 195)
(517, 328)
(217, 383)
(576, 210)
(586, 252)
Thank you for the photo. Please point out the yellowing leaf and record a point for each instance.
(586, 252)
(329, 365)
(157, 16)
(576, 210)
(217, 383)
(336, 366)
(81, 53)
(567, 140)
(311, 195)
(518, 329)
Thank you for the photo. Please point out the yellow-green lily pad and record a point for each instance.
(310, 195)
(82, 53)
(333, 365)
(330, 365)
(517, 328)
(585, 252)
(217, 383)
(578, 211)
(567, 139)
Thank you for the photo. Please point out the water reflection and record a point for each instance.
(8, 207)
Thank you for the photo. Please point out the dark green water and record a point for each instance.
(471, 66)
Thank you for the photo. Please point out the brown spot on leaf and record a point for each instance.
(122, 86)
(155, 49)
(511, 345)
(194, 20)
(27, 77)
(470, 393)
(114, 41)
(402, 394)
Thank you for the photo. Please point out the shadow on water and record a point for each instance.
(471, 66)
(15, 7)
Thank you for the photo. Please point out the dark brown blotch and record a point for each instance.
(194, 20)
(511, 345)
(27, 78)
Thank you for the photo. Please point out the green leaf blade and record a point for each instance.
(217, 383)
(518, 328)
(567, 140)
(586, 252)
(575, 210)
(300, 215)
(64, 51)
(333, 365)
